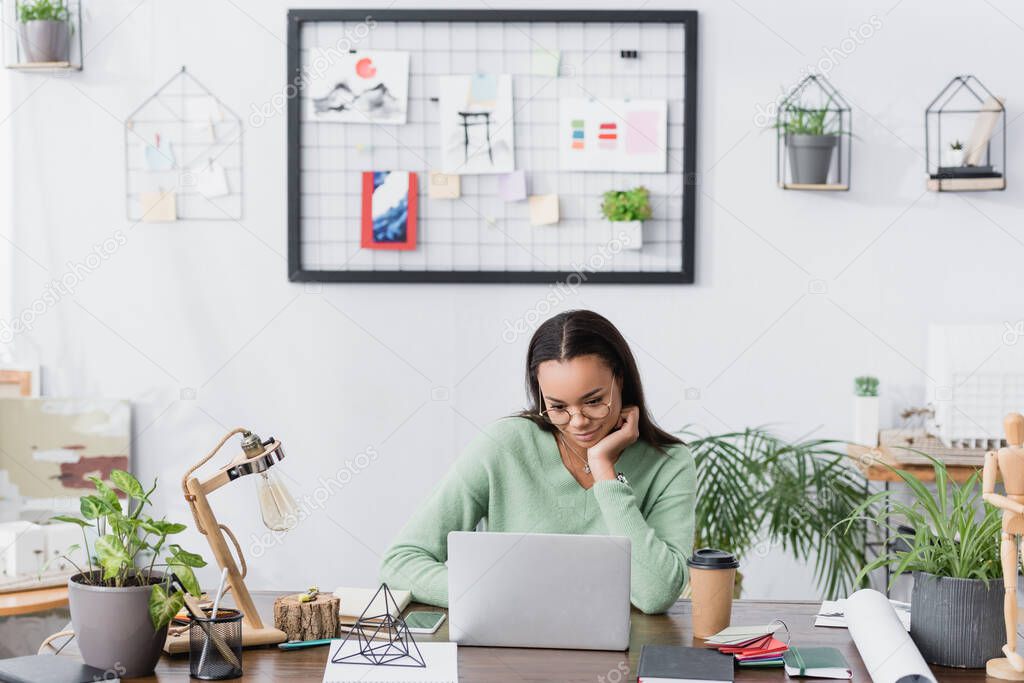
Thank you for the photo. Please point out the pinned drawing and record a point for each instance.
(389, 210)
(476, 124)
(613, 135)
(365, 86)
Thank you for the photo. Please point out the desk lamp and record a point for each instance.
(277, 508)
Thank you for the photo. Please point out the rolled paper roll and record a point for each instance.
(889, 654)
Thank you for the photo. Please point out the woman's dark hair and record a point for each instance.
(581, 333)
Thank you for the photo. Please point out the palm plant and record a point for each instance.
(754, 487)
(940, 532)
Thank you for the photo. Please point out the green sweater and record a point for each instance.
(512, 477)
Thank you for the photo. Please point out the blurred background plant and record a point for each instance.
(754, 487)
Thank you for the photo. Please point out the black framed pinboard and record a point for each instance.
(476, 146)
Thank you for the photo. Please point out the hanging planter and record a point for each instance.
(627, 210)
(965, 138)
(48, 36)
(813, 137)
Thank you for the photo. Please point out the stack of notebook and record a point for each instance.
(752, 646)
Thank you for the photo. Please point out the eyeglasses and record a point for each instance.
(563, 416)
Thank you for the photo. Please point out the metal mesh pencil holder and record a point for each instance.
(215, 645)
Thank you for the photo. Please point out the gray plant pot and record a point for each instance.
(45, 41)
(957, 622)
(810, 157)
(113, 628)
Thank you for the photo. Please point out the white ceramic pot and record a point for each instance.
(952, 157)
(630, 233)
(865, 420)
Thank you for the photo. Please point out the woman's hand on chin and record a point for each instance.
(602, 456)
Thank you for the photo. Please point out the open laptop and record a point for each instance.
(538, 590)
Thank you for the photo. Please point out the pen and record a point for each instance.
(299, 644)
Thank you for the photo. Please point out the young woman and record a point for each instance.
(585, 459)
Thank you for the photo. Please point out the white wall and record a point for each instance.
(338, 369)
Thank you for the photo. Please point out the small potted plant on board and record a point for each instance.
(124, 598)
(953, 156)
(627, 210)
(44, 30)
(865, 410)
(956, 608)
(811, 135)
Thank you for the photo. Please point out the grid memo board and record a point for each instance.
(479, 237)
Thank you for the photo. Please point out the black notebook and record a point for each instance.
(51, 669)
(677, 664)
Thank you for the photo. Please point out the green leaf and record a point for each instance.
(163, 607)
(161, 527)
(181, 556)
(91, 507)
(187, 577)
(70, 520)
(127, 483)
(106, 495)
(112, 555)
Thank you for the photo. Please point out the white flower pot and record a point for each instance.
(953, 157)
(629, 233)
(865, 420)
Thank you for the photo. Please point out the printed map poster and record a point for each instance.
(613, 135)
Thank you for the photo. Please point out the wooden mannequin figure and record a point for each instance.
(1008, 463)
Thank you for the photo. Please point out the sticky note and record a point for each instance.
(159, 156)
(483, 88)
(545, 62)
(543, 209)
(512, 186)
(158, 207)
(444, 186)
(642, 132)
(212, 181)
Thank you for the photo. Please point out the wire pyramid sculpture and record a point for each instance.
(400, 648)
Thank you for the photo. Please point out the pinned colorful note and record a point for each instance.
(158, 207)
(158, 155)
(613, 135)
(444, 186)
(484, 88)
(545, 62)
(512, 186)
(543, 209)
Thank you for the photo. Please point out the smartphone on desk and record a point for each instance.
(424, 622)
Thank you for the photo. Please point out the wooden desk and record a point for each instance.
(28, 602)
(494, 665)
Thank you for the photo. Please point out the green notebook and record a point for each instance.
(816, 662)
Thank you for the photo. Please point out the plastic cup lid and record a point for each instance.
(709, 558)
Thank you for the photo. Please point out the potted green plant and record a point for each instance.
(811, 135)
(952, 550)
(865, 410)
(757, 491)
(44, 30)
(953, 156)
(627, 210)
(123, 599)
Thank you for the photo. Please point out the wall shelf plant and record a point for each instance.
(42, 35)
(965, 138)
(813, 130)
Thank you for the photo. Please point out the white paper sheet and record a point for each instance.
(833, 613)
(441, 659)
(888, 652)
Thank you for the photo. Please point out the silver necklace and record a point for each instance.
(568, 448)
